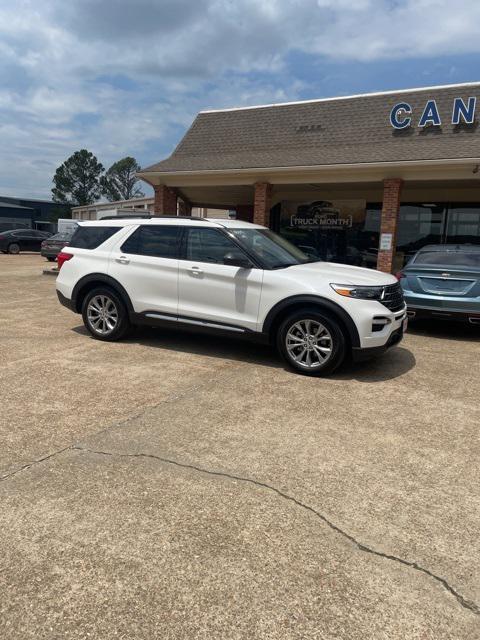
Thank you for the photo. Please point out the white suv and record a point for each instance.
(230, 277)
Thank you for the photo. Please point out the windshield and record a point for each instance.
(271, 249)
(449, 258)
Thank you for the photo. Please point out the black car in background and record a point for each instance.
(18, 240)
(52, 246)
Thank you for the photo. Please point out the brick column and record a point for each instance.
(165, 201)
(392, 188)
(262, 203)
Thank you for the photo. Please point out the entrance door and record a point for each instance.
(210, 290)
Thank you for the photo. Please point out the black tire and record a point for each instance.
(102, 329)
(327, 349)
(51, 259)
(14, 248)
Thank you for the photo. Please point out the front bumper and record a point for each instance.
(360, 355)
(378, 328)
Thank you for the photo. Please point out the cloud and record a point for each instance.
(122, 77)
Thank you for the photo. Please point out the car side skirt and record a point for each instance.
(196, 325)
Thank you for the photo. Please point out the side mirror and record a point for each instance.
(237, 259)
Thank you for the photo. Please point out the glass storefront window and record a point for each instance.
(419, 225)
(343, 231)
(463, 224)
(422, 224)
(347, 231)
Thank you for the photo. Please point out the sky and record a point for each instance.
(122, 77)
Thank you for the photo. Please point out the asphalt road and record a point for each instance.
(174, 487)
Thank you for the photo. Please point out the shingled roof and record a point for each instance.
(324, 132)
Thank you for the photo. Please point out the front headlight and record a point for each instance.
(361, 292)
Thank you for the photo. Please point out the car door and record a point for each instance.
(210, 290)
(146, 265)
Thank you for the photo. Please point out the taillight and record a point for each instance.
(399, 275)
(63, 257)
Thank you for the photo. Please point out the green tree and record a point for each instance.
(120, 181)
(77, 180)
(60, 212)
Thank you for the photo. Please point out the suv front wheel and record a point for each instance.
(105, 315)
(311, 342)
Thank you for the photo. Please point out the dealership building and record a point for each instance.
(365, 179)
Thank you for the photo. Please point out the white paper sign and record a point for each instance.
(385, 242)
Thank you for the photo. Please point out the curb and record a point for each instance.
(50, 272)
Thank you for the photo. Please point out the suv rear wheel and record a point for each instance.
(105, 315)
(311, 342)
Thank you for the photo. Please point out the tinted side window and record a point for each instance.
(91, 237)
(159, 241)
(208, 245)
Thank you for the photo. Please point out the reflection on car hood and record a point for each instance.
(343, 273)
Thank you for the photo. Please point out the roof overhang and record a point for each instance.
(444, 169)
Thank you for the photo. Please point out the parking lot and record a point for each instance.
(174, 486)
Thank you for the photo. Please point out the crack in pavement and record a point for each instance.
(171, 398)
(466, 604)
(32, 463)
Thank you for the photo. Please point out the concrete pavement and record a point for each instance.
(195, 489)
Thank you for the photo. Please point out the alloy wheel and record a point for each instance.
(102, 314)
(309, 344)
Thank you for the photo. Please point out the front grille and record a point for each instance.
(393, 297)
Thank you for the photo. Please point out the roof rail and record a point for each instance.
(180, 217)
(127, 216)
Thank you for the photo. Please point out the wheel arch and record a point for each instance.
(87, 283)
(288, 305)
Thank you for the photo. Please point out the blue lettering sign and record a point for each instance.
(463, 112)
(430, 115)
(398, 114)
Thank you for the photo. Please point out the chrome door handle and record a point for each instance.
(122, 260)
(196, 271)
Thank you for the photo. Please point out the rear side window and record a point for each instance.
(91, 237)
(159, 241)
(449, 258)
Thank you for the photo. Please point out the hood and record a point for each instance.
(343, 273)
